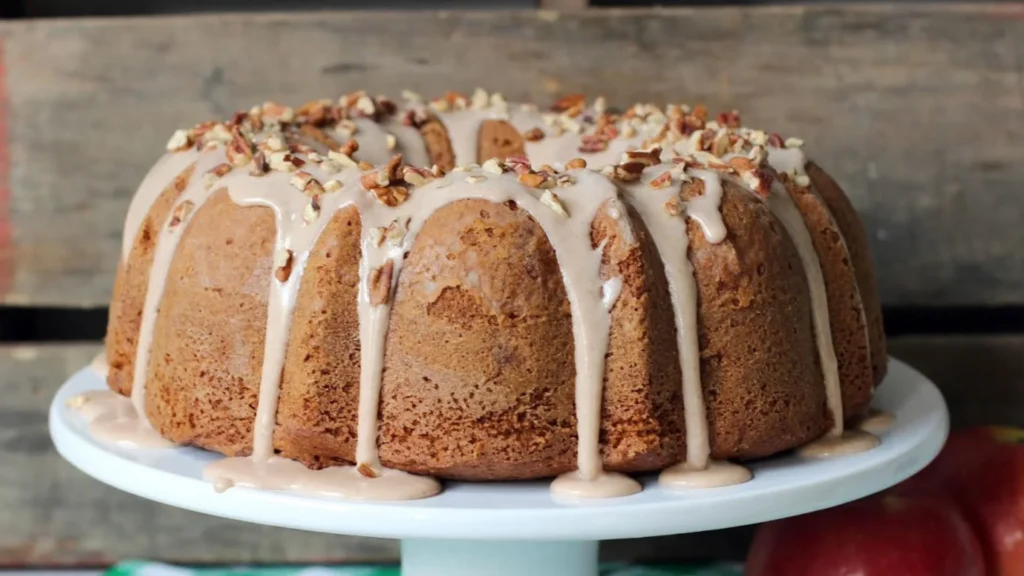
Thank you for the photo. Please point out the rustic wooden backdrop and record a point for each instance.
(917, 110)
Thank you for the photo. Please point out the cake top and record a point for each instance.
(573, 133)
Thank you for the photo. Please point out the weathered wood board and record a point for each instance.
(918, 110)
(53, 514)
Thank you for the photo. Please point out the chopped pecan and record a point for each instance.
(346, 128)
(533, 134)
(415, 118)
(315, 112)
(239, 151)
(386, 106)
(312, 210)
(275, 111)
(375, 179)
(282, 264)
(759, 180)
(282, 162)
(494, 166)
(730, 119)
(367, 471)
(301, 179)
(576, 164)
(662, 181)
(480, 99)
(215, 173)
(396, 231)
(416, 176)
(628, 171)
(536, 180)
(569, 102)
(380, 283)
(342, 159)
(391, 196)
(274, 143)
(551, 200)
(674, 206)
(593, 143)
(181, 212)
(518, 164)
(259, 164)
(180, 140)
(393, 169)
(742, 163)
(645, 157)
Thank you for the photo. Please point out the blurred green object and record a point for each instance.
(140, 568)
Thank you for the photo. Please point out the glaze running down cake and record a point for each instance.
(357, 297)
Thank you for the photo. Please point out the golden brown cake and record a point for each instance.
(471, 289)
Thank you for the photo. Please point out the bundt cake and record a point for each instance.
(355, 296)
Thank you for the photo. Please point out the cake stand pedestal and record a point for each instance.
(504, 529)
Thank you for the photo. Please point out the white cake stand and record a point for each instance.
(501, 529)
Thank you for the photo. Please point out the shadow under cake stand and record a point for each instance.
(501, 529)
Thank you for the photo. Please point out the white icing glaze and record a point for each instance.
(794, 161)
(159, 177)
(574, 486)
(166, 246)
(113, 419)
(714, 474)
(832, 445)
(277, 473)
(669, 235)
(877, 422)
(786, 211)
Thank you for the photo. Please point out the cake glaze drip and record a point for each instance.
(565, 213)
(876, 422)
(113, 419)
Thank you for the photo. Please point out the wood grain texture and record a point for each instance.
(918, 111)
(55, 515)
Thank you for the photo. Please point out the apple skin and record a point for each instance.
(883, 535)
(982, 470)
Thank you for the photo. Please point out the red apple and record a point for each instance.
(882, 535)
(982, 470)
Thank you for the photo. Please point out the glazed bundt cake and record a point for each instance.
(470, 289)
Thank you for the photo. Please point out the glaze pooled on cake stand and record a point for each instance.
(519, 528)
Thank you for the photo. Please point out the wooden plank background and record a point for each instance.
(52, 514)
(918, 110)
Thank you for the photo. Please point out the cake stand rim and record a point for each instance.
(907, 448)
